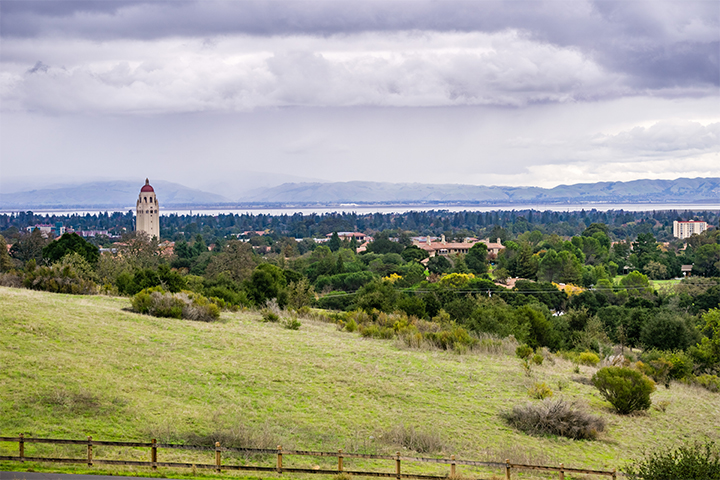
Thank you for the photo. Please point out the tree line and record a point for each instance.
(495, 224)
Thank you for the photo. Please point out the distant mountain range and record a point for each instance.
(122, 194)
(105, 195)
(638, 191)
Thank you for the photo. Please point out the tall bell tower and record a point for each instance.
(148, 212)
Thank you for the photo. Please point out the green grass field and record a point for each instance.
(72, 366)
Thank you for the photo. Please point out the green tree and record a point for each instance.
(645, 249)
(300, 293)
(665, 331)
(538, 327)
(6, 262)
(439, 264)
(415, 253)
(334, 243)
(570, 268)
(380, 295)
(626, 389)
(69, 243)
(707, 352)
(267, 282)
(383, 244)
(635, 283)
(140, 250)
(237, 260)
(170, 279)
(476, 258)
(527, 263)
(707, 260)
(655, 270)
(29, 247)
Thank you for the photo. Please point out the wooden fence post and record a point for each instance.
(89, 452)
(153, 454)
(452, 466)
(397, 466)
(614, 474)
(279, 459)
(21, 447)
(562, 471)
(507, 469)
(217, 457)
(340, 460)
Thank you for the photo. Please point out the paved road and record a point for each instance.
(60, 476)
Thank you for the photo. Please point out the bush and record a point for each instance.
(540, 391)
(696, 461)
(70, 275)
(663, 366)
(626, 389)
(191, 306)
(197, 307)
(291, 323)
(538, 359)
(708, 382)
(351, 326)
(271, 312)
(555, 417)
(523, 351)
(588, 358)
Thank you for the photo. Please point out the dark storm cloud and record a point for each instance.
(659, 45)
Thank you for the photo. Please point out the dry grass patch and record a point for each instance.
(556, 417)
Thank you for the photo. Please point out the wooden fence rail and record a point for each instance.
(218, 466)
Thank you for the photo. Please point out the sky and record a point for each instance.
(230, 95)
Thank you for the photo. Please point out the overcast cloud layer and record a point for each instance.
(483, 92)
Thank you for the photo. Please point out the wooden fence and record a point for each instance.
(278, 453)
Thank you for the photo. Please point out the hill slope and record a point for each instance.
(75, 366)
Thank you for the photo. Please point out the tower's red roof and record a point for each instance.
(147, 187)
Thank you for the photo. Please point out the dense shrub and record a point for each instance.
(555, 417)
(65, 276)
(11, 279)
(626, 389)
(588, 358)
(345, 281)
(708, 382)
(71, 243)
(191, 306)
(663, 366)
(335, 301)
(523, 351)
(665, 331)
(688, 462)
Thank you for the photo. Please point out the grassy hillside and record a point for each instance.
(72, 366)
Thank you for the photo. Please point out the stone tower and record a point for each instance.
(148, 212)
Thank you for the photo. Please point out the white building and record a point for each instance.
(48, 230)
(686, 229)
(148, 211)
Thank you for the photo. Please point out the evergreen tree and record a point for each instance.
(334, 244)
